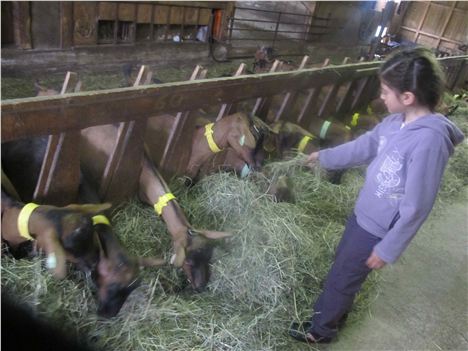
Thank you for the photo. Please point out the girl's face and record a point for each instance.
(392, 99)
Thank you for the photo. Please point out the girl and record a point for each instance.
(407, 154)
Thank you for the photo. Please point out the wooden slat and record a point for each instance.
(421, 22)
(311, 101)
(262, 104)
(366, 85)
(44, 115)
(60, 172)
(66, 24)
(227, 109)
(22, 24)
(290, 97)
(121, 174)
(177, 151)
(446, 22)
(325, 107)
(345, 104)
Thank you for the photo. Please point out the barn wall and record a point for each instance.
(440, 25)
(83, 34)
(348, 23)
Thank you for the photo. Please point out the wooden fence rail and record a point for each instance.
(316, 92)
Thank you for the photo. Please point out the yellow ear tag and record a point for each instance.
(355, 119)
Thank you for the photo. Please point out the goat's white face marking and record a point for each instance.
(242, 140)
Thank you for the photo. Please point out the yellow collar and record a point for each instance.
(100, 219)
(162, 202)
(303, 143)
(209, 138)
(23, 220)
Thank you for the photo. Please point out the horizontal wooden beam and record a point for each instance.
(55, 114)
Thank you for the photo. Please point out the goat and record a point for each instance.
(233, 131)
(192, 247)
(330, 133)
(64, 233)
(70, 230)
(42, 90)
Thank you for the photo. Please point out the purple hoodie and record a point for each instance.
(405, 170)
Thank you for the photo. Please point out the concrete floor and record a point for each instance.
(423, 302)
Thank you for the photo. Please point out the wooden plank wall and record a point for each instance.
(308, 94)
(440, 25)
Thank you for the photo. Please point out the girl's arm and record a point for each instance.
(422, 184)
(354, 153)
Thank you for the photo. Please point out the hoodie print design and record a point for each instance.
(388, 177)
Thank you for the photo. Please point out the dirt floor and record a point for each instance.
(423, 300)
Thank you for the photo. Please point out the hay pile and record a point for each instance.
(268, 274)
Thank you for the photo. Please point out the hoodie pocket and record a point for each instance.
(394, 220)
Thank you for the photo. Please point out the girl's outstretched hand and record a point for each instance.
(312, 159)
(375, 262)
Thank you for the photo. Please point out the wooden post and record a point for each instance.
(66, 25)
(310, 102)
(122, 171)
(290, 97)
(22, 24)
(227, 109)
(262, 104)
(446, 22)
(177, 151)
(423, 18)
(59, 177)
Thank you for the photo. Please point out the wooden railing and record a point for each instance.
(304, 94)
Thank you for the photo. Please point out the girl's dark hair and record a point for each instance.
(415, 70)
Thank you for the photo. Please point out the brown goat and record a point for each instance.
(330, 133)
(64, 233)
(233, 131)
(93, 246)
(192, 247)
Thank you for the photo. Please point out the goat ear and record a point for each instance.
(178, 258)
(151, 262)
(211, 234)
(56, 258)
(91, 209)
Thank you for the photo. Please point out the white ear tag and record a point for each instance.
(245, 171)
(242, 140)
(51, 262)
(173, 258)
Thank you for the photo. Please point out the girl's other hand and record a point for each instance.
(312, 159)
(375, 262)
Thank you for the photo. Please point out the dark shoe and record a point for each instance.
(342, 321)
(302, 332)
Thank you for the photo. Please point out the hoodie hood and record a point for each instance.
(443, 126)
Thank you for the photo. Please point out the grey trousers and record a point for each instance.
(345, 278)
